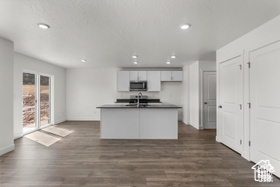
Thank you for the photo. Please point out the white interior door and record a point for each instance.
(209, 100)
(265, 105)
(230, 103)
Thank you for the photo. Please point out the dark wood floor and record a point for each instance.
(82, 159)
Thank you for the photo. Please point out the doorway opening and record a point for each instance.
(209, 100)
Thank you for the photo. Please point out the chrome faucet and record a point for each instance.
(138, 99)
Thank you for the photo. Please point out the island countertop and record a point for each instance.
(127, 106)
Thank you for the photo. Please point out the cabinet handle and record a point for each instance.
(220, 106)
(172, 78)
(205, 103)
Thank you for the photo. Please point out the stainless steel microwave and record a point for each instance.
(138, 86)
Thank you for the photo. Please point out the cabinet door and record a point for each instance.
(142, 75)
(177, 76)
(153, 78)
(165, 75)
(123, 81)
(133, 75)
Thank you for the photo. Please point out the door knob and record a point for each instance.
(205, 103)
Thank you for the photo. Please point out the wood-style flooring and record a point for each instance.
(82, 159)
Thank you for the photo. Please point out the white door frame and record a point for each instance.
(202, 98)
(37, 97)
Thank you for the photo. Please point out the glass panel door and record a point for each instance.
(29, 101)
(44, 100)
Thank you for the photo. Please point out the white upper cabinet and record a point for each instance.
(171, 76)
(165, 75)
(176, 76)
(142, 75)
(123, 81)
(153, 78)
(138, 75)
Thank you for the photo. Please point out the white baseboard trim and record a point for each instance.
(18, 135)
(7, 149)
(195, 126)
(59, 121)
(217, 139)
(82, 119)
(186, 122)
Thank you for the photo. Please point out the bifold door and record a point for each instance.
(265, 105)
(230, 102)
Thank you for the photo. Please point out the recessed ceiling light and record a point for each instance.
(168, 62)
(84, 60)
(173, 56)
(135, 62)
(43, 26)
(134, 56)
(185, 27)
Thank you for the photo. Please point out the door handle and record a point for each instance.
(220, 106)
(205, 103)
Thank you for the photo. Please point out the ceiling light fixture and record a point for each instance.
(84, 60)
(168, 62)
(135, 62)
(173, 56)
(185, 27)
(134, 56)
(43, 26)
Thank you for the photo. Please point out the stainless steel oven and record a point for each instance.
(138, 86)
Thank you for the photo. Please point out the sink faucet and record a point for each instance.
(138, 98)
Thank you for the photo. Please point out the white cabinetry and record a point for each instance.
(171, 76)
(153, 78)
(138, 75)
(176, 76)
(135, 123)
(165, 75)
(123, 81)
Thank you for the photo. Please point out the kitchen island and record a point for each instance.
(156, 121)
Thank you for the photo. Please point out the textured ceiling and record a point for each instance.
(108, 32)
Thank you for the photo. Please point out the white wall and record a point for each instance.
(185, 95)
(192, 91)
(264, 35)
(194, 94)
(89, 88)
(21, 63)
(6, 96)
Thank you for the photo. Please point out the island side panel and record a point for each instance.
(158, 123)
(119, 123)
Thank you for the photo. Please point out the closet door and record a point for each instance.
(230, 103)
(265, 105)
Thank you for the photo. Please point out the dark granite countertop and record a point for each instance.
(152, 105)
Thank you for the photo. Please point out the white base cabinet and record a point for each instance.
(139, 123)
